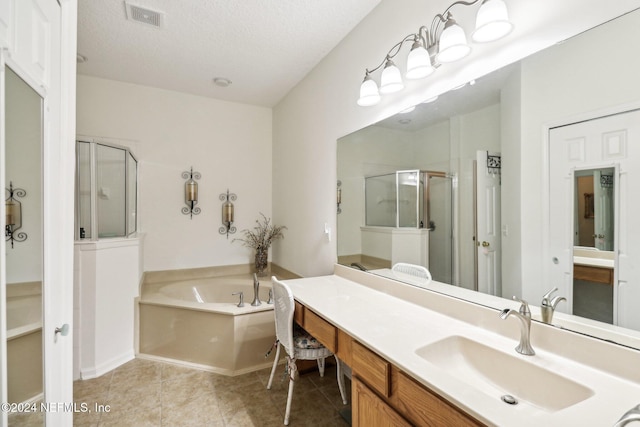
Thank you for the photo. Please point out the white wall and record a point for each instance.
(168, 132)
(322, 107)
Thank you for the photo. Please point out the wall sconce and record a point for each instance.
(13, 215)
(191, 193)
(339, 196)
(227, 213)
(444, 41)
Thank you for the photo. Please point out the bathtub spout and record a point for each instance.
(256, 289)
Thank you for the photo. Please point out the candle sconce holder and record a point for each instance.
(13, 215)
(191, 193)
(227, 213)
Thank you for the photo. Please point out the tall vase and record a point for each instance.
(261, 261)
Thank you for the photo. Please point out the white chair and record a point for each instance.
(414, 270)
(298, 344)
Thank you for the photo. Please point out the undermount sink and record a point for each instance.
(498, 374)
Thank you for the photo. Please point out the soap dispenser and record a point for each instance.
(549, 304)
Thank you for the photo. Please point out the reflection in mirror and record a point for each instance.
(24, 259)
(491, 118)
(594, 234)
(594, 209)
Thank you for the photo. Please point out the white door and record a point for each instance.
(40, 49)
(608, 142)
(488, 239)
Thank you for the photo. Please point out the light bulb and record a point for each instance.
(492, 21)
(453, 43)
(391, 80)
(369, 94)
(418, 62)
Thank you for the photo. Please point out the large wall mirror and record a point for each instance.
(473, 135)
(24, 242)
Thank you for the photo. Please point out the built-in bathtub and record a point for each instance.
(24, 341)
(198, 322)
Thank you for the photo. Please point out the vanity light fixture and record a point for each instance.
(13, 215)
(444, 41)
(191, 193)
(227, 213)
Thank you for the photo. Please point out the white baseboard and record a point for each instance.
(87, 373)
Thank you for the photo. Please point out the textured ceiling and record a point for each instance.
(265, 47)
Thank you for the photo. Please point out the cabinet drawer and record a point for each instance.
(422, 407)
(372, 369)
(298, 313)
(593, 274)
(322, 330)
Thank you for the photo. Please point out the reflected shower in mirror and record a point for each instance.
(500, 114)
(594, 209)
(24, 259)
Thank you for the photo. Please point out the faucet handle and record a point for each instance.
(546, 298)
(524, 307)
(241, 303)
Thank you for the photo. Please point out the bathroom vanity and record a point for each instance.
(422, 358)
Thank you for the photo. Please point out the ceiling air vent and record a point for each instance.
(144, 16)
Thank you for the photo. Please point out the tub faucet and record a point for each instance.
(631, 415)
(524, 315)
(256, 289)
(549, 304)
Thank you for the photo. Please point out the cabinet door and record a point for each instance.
(34, 32)
(368, 410)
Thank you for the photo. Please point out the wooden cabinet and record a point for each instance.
(382, 395)
(322, 330)
(367, 409)
(593, 274)
(373, 369)
(425, 408)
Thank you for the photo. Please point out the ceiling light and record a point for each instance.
(408, 110)
(369, 94)
(443, 42)
(453, 42)
(222, 81)
(492, 22)
(430, 100)
(418, 62)
(391, 80)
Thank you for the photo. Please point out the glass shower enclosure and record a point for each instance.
(416, 199)
(106, 191)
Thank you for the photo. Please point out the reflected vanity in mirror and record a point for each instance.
(24, 252)
(493, 117)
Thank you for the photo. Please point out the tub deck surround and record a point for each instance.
(197, 322)
(396, 328)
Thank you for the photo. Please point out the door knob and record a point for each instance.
(64, 330)
(485, 244)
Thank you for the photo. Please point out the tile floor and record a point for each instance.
(148, 393)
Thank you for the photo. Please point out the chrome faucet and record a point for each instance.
(256, 289)
(632, 414)
(524, 315)
(548, 306)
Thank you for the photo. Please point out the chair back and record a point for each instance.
(414, 270)
(283, 307)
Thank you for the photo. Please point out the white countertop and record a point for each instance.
(395, 328)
